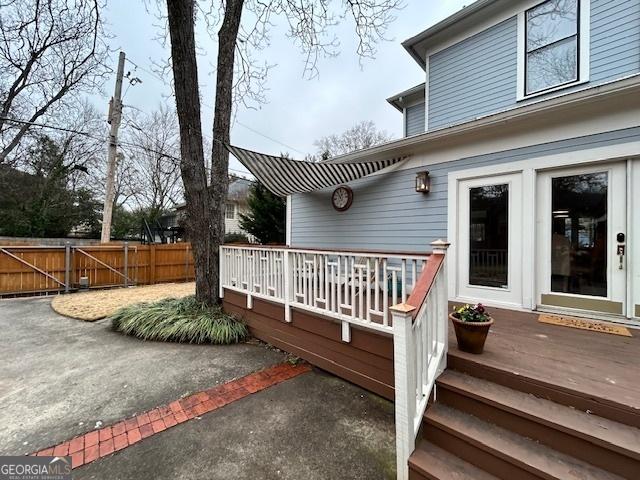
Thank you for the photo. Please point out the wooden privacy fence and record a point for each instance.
(52, 269)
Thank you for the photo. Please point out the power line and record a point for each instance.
(153, 74)
(141, 130)
(149, 72)
(94, 137)
(269, 138)
(53, 127)
(259, 133)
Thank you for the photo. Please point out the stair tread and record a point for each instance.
(620, 437)
(514, 448)
(434, 462)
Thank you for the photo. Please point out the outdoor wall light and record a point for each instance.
(423, 182)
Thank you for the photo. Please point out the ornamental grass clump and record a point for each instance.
(468, 313)
(179, 320)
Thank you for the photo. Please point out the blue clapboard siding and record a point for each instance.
(474, 77)
(477, 76)
(388, 214)
(615, 39)
(414, 119)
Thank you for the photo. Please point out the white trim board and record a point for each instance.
(512, 292)
(633, 255)
(426, 95)
(469, 147)
(288, 220)
(618, 97)
(529, 169)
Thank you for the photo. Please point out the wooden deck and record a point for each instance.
(560, 363)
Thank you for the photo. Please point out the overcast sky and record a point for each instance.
(298, 111)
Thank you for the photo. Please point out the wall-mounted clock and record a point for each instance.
(342, 198)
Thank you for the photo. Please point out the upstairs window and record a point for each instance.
(552, 39)
(230, 211)
(553, 46)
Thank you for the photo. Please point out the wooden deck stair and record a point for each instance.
(489, 424)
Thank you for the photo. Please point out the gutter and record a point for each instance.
(409, 44)
(394, 100)
(586, 95)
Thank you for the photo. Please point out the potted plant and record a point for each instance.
(471, 324)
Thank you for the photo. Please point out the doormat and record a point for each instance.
(583, 324)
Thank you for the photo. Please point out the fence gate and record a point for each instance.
(28, 270)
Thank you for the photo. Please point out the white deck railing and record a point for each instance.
(401, 294)
(354, 287)
(420, 342)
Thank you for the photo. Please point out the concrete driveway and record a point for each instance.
(60, 377)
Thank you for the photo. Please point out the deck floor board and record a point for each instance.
(597, 364)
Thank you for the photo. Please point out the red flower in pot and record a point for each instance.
(471, 324)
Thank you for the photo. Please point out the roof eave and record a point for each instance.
(385, 150)
(395, 100)
(410, 43)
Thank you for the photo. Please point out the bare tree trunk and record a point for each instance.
(203, 226)
(227, 37)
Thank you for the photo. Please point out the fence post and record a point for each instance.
(126, 264)
(152, 264)
(186, 262)
(405, 386)
(67, 266)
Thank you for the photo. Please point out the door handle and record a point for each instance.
(621, 249)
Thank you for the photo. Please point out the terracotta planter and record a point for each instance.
(471, 335)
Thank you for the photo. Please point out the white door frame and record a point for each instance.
(616, 221)
(511, 294)
(529, 169)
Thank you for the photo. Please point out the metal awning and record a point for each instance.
(284, 176)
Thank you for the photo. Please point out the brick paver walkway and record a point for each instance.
(101, 443)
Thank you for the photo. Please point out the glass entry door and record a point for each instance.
(490, 239)
(582, 239)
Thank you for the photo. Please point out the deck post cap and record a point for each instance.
(440, 246)
(402, 308)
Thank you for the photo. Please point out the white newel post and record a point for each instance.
(221, 271)
(405, 386)
(288, 284)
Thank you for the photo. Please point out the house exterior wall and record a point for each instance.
(414, 119)
(478, 75)
(474, 77)
(387, 213)
(232, 225)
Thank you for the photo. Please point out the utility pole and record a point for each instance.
(115, 115)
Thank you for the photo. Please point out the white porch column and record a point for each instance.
(405, 386)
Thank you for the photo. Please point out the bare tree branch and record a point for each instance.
(49, 49)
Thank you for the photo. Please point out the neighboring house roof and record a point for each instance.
(408, 97)
(459, 21)
(629, 86)
(238, 191)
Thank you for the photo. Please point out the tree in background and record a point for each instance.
(240, 79)
(50, 50)
(362, 135)
(266, 215)
(40, 202)
(151, 144)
